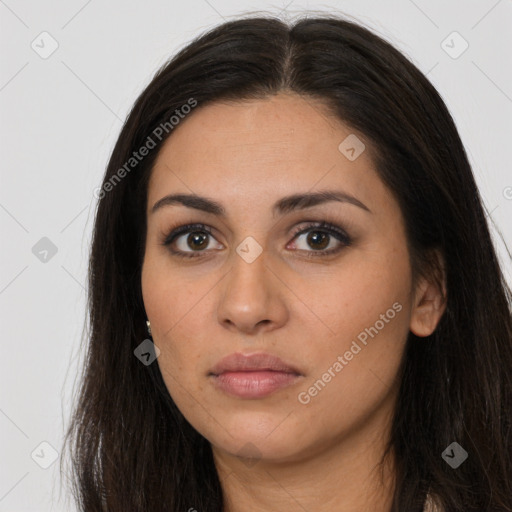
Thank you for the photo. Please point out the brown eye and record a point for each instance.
(321, 239)
(318, 240)
(190, 239)
(197, 240)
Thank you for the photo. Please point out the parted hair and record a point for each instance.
(130, 447)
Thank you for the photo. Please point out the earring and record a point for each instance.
(149, 327)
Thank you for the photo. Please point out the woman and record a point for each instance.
(290, 212)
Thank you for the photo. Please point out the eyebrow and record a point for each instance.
(281, 207)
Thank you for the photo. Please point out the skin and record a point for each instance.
(320, 455)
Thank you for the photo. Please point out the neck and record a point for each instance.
(344, 475)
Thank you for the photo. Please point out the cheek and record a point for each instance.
(353, 295)
(365, 311)
(177, 309)
(366, 306)
(170, 297)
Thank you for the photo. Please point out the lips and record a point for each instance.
(238, 362)
(253, 376)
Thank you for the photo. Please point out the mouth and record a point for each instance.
(252, 376)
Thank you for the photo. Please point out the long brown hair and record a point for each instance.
(132, 449)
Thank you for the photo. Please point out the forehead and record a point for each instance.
(258, 150)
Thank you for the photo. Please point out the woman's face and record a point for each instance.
(334, 303)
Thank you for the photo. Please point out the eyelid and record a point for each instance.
(321, 225)
(175, 232)
(331, 228)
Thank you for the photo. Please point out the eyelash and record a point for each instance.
(326, 227)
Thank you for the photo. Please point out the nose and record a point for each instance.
(252, 298)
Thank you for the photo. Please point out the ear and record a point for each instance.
(429, 300)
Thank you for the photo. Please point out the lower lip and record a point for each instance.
(253, 384)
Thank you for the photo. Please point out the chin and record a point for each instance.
(263, 437)
(256, 449)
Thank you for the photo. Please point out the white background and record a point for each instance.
(60, 117)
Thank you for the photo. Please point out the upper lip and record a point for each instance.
(261, 361)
